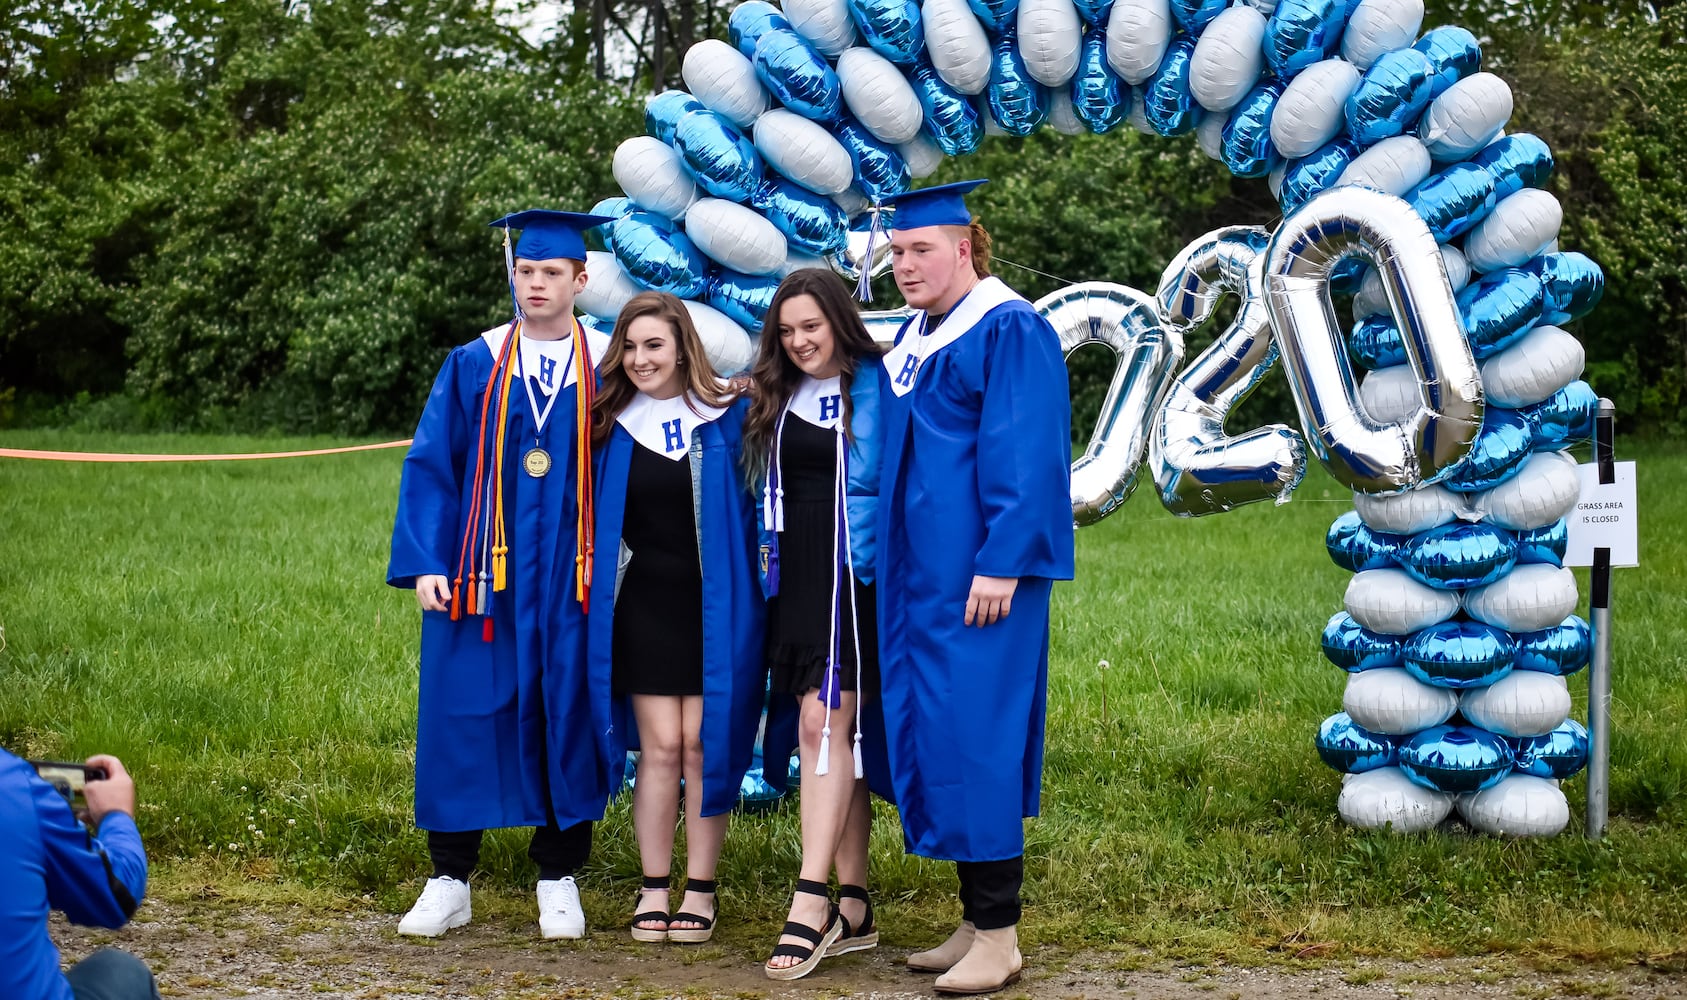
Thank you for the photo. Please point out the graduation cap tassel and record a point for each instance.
(864, 280)
(509, 273)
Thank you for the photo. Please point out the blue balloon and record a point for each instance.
(617, 207)
(1453, 201)
(1016, 101)
(1094, 12)
(1247, 148)
(1314, 173)
(1497, 453)
(1351, 749)
(663, 111)
(1302, 32)
(1562, 649)
(1573, 284)
(744, 298)
(1099, 97)
(793, 774)
(1559, 754)
(893, 28)
(1355, 547)
(1516, 162)
(1376, 343)
(1167, 102)
(659, 258)
(629, 772)
(1563, 418)
(880, 171)
(755, 794)
(723, 159)
(1353, 647)
(750, 20)
(1390, 96)
(999, 16)
(1499, 308)
(1458, 555)
(797, 75)
(951, 119)
(811, 222)
(1193, 16)
(1456, 759)
(1459, 654)
(1544, 545)
(1453, 52)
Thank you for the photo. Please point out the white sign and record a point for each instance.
(1606, 517)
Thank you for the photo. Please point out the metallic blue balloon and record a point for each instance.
(1355, 547)
(1193, 16)
(1390, 96)
(893, 28)
(1563, 418)
(755, 794)
(629, 772)
(1167, 102)
(1458, 555)
(744, 298)
(1499, 308)
(1314, 172)
(1016, 101)
(951, 119)
(999, 16)
(1516, 161)
(1459, 654)
(1099, 97)
(1094, 12)
(1545, 545)
(617, 207)
(1351, 749)
(811, 222)
(659, 258)
(880, 171)
(793, 773)
(1497, 453)
(1376, 343)
(1302, 32)
(1453, 52)
(1573, 284)
(749, 21)
(1562, 649)
(723, 159)
(1456, 759)
(1353, 647)
(1247, 148)
(1559, 754)
(1453, 201)
(800, 77)
(663, 111)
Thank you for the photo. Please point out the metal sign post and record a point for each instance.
(1599, 671)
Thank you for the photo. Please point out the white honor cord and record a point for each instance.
(539, 416)
(824, 765)
(772, 498)
(854, 612)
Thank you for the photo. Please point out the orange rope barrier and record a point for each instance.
(95, 456)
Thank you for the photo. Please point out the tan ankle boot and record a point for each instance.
(943, 957)
(992, 963)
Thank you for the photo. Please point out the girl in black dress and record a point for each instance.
(811, 442)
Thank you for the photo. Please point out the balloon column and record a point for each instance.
(1385, 148)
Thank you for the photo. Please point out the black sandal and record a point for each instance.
(852, 939)
(652, 883)
(820, 939)
(694, 935)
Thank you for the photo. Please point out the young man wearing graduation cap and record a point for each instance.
(975, 524)
(493, 533)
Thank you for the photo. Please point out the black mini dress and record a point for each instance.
(658, 631)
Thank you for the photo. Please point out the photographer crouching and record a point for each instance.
(50, 860)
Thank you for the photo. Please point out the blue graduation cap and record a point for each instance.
(546, 234)
(942, 205)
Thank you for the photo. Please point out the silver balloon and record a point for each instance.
(1198, 468)
(882, 324)
(847, 262)
(1148, 353)
(1361, 452)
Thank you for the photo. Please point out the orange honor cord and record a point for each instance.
(585, 524)
(465, 565)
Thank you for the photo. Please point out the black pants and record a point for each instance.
(990, 892)
(556, 851)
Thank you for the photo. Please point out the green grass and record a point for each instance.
(224, 629)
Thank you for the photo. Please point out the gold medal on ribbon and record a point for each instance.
(537, 462)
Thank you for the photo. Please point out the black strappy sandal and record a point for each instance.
(694, 935)
(652, 883)
(819, 939)
(853, 939)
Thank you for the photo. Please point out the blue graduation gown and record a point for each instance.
(504, 733)
(734, 676)
(975, 481)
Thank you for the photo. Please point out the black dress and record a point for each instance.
(658, 641)
(799, 618)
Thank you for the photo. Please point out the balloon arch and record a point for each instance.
(1387, 153)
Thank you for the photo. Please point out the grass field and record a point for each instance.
(224, 629)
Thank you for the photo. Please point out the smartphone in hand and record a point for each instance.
(69, 780)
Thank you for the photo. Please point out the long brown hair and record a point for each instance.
(776, 376)
(701, 380)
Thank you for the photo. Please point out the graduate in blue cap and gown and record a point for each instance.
(673, 661)
(975, 524)
(493, 507)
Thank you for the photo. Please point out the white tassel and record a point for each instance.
(824, 764)
(860, 771)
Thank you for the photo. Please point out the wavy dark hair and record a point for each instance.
(775, 376)
(701, 380)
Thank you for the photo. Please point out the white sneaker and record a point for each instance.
(444, 904)
(560, 912)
